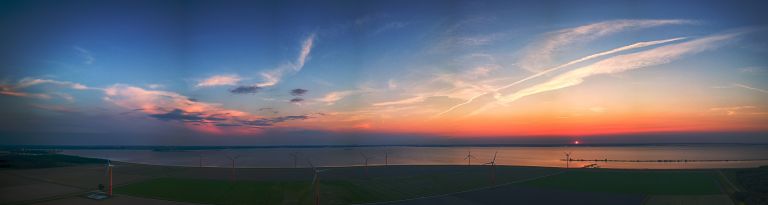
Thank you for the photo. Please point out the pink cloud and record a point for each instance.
(157, 102)
(218, 80)
(195, 115)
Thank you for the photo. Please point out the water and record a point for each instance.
(521, 156)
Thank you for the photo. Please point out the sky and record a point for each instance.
(381, 72)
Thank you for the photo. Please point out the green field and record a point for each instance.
(350, 185)
(338, 186)
(642, 182)
(219, 191)
(39, 161)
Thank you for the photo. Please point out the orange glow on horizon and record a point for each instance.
(548, 125)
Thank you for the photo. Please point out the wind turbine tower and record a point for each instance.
(295, 159)
(493, 168)
(232, 159)
(109, 175)
(386, 157)
(366, 162)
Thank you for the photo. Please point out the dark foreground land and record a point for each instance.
(57, 179)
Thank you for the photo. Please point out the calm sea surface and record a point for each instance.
(522, 156)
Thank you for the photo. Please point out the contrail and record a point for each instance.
(751, 88)
(597, 55)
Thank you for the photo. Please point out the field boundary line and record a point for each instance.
(727, 180)
(465, 191)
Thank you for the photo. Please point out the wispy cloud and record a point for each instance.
(390, 26)
(751, 88)
(732, 110)
(155, 86)
(306, 48)
(752, 69)
(28, 82)
(391, 84)
(573, 62)
(333, 97)
(8, 90)
(622, 63)
(274, 76)
(411, 100)
(219, 80)
(86, 55)
(18, 89)
(539, 54)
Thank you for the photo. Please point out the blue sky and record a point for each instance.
(410, 68)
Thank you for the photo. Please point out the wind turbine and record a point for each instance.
(233, 165)
(295, 159)
(386, 157)
(567, 159)
(109, 166)
(469, 158)
(316, 181)
(366, 162)
(493, 167)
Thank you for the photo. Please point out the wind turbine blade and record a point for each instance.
(312, 165)
(494, 156)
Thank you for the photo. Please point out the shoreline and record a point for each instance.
(435, 166)
(196, 148)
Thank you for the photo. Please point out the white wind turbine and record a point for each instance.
(316, 181)
(108, 174)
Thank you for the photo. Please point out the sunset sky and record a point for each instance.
(285, 72)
